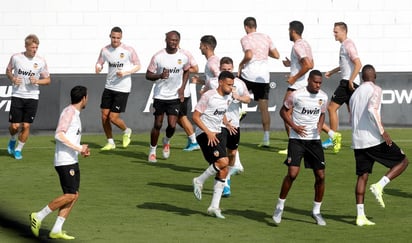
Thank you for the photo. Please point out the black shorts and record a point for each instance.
(69, 178)
(310, 150)
(389, 156)
(170, 107)
(23, 110)
(259, 90)
(342, 93)
(232, 141)
(184, 106)
(212, 153)
(115, 101)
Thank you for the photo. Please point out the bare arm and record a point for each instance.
(357, 67)
(154, 76)
(306, 65)
(83, 149)
(328, 74)
(246, 58)
(289, 121)
(274, 53)
(212, 139)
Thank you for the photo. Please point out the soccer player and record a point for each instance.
(169, 69)
(254, 70)
(123, 62)
(68, 146)
(26, 71)
(301, 61)
(240, 94)
(308, 105)
(208, 116)
(349, 67)
(207, 47)
(371, 142)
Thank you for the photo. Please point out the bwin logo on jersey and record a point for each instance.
(174, 70)
(217, 112)
(25, 73)
(310, 112)
(116, 65)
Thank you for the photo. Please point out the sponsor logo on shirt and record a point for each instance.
(310, 111)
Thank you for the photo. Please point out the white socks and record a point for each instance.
(384, 181)
(58, 225)
(360, 209)
(20, 145)
(210, 171)
(192, 138)
(217, 193)
(266, 136)
(43, 213)
(127, 131)
(316, 207)
(281, 203)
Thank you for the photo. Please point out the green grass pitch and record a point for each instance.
(123, 198)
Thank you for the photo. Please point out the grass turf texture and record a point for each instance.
(123, 198)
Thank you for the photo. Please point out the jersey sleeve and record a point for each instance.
(288, 103)
(65, 120)
(374, 105)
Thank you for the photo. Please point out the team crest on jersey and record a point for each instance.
(122, 55)
(72, 172)
(179, 61)
(320, 102)
(35, 65)
(216, 153)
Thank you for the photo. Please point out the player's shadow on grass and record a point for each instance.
(275, 145)
(249, 214)
(179, 187)
(170, 165)
(22, 230)
(165, 207)
(397, 192)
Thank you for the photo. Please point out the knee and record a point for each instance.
(157, 126)
(26, 126)
(222, 163)
(291, 177)
(71, 197)
(320, 180)
(105, 116)
(14, 126)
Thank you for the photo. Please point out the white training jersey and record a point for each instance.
(300, 50)
(123, 57)
(71, 126)
(25, 67)
(365, 109)
(177, 63)
(257, 70)
(212, 67)
(212, 107)
(307, 108)
(233, 112)
(347, 54)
